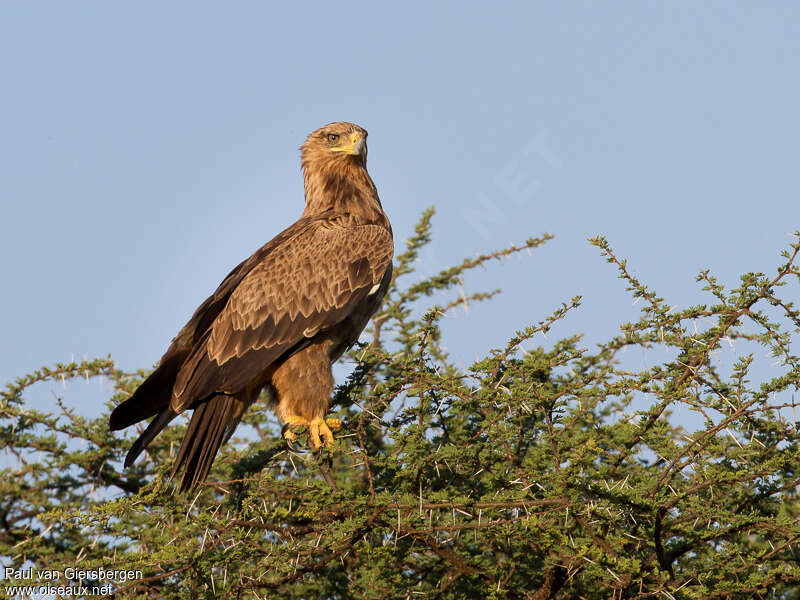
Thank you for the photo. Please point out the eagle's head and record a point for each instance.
(335, 144)
(334, 161)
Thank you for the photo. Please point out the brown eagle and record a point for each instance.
(280, 318)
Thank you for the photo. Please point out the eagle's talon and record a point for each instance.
(289, 437)
(319, 431)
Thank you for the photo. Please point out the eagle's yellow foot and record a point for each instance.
(287, 431)
(319, 430)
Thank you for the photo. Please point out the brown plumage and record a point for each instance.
(280, 318)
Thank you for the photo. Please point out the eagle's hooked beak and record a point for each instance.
(356, 145)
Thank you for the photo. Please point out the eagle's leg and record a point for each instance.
(303, 387)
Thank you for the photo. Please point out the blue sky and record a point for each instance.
(149, 147)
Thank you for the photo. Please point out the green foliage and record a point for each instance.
(538, 472)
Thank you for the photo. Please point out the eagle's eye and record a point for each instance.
(333, 138)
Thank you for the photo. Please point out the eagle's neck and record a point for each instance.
(344, 187)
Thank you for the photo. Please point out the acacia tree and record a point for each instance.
(537, 472)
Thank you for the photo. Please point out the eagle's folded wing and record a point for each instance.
(309, 283)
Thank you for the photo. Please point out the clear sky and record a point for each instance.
(148, 147)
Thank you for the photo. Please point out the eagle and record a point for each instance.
(280, 319)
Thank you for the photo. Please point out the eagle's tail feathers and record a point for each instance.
(153, 429)
(208, 430)
(150, 398)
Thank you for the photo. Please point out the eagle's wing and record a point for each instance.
(155, 393)
(306, 284)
